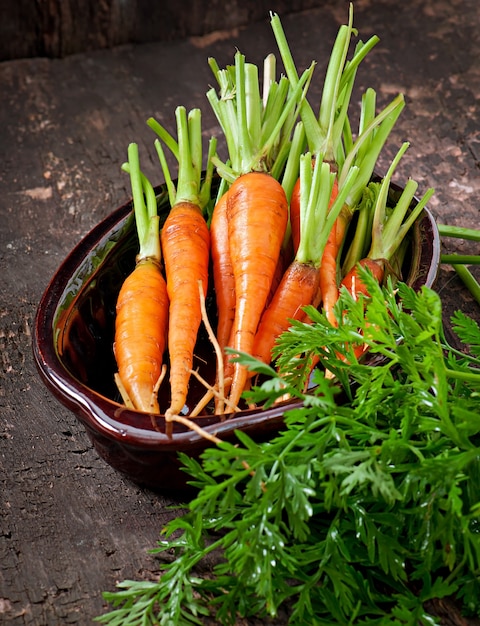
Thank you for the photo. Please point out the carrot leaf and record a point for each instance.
(337, 499)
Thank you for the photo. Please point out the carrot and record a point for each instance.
(257, 218)
(352, 280)
(258, 136)
(389, 228)
(223, 277)
(185, 239)
(300, 283)
(329, 135)
(142, 305)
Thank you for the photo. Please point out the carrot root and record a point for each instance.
(141, 334)
(186, 247)
(257, 212)
(298, 288)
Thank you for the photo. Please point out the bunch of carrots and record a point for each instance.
(278, 235)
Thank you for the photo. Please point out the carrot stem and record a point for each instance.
(460, 259)
(468, 280)
(237, 109)
(374, 135)
(190, 186)
(145, 207)
(324, 133)
(458, 232)
(388, 231)
(317, 218)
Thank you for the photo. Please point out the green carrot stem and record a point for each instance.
(244, 146)
(171, 190)
(238, 115)
(377, 249)
(316, 218)
(145, 207)
(324, 133)
(269, 73)
(360, 245)
(164, 135)
(361, 51)
(315, 186)
(375, 134)
(291, 172)
(188, 151)
(462, 375)
(388, 231)
(460, 259)
(331, 86)
(468, 280)
(459, 232)
(309, 119)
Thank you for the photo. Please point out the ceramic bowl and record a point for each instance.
(72, 347)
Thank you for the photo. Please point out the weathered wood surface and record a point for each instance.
(69, 525)
(57, 28)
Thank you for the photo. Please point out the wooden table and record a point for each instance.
(70, 525)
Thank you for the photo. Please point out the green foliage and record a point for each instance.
(362, 508)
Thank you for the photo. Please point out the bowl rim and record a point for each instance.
(115, 421)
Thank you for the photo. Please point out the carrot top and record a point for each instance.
(257, 128)
(324, 132)
(330, 133)
(390, 227)
(381, 229)
(187, 150)
(145, 207)
(316, 218)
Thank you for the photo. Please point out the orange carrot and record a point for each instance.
(300, 283)
(224, 284)
(257, 212)
(257, 206)
(186, 246)
(185, 239)
(352, 280)
(223, 278)
(329, 266)
(297, 289)
(142, 305)
(141, 333)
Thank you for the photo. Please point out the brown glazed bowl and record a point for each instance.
(72, 347)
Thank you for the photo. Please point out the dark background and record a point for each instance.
(56, 28)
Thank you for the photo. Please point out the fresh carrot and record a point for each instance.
(185, 239)
(224, 286)
(257, 218)
(352, 281)
(142, 306)
(300, 283)
(256, 202)
(329, 135)
(389, 228)
(223, 276)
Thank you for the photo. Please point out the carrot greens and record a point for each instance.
(358, 512)
(256, 139)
